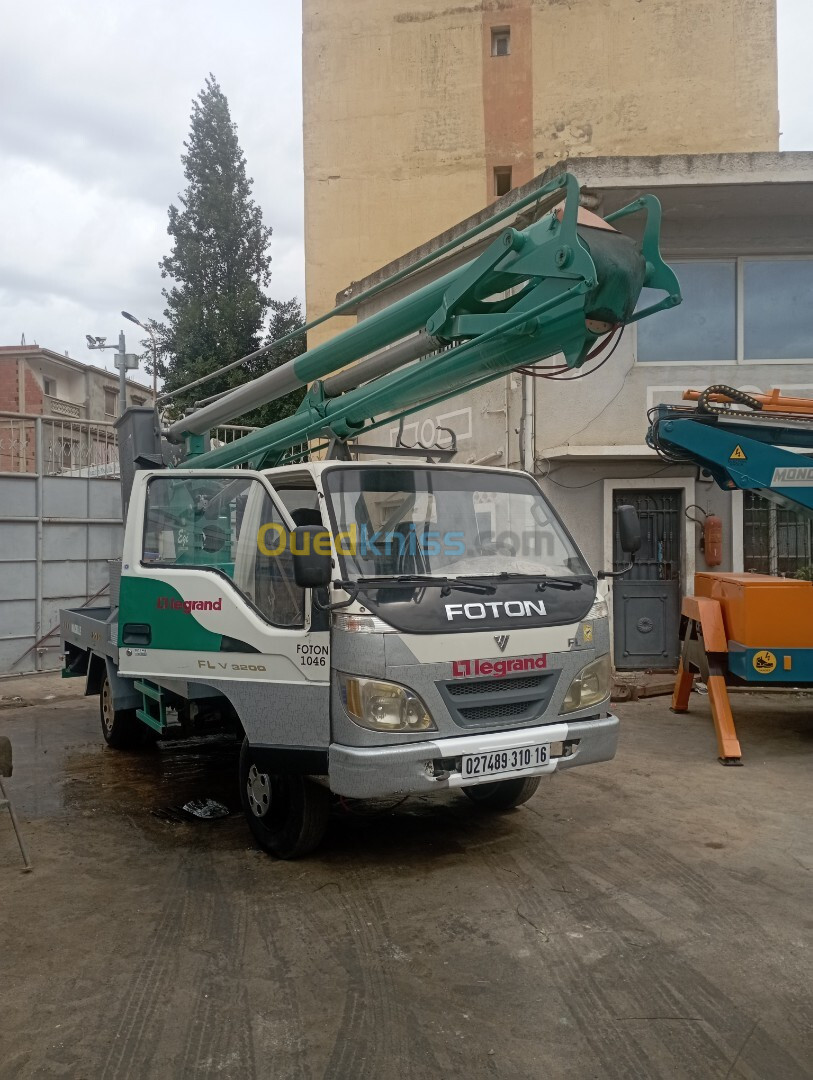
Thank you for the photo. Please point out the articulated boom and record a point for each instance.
(555, 286)
(741, 449)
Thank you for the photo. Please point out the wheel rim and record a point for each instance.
(258, 790)
(107, 708)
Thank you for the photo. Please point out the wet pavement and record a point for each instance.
(646, 918)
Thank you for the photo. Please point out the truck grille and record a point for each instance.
(495, 686)
(515, 701)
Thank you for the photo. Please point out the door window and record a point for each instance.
(229, 525)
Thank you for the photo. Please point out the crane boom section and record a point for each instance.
(555, 286)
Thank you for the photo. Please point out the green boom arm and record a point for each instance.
(554, 287)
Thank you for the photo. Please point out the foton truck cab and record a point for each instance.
(375, 629)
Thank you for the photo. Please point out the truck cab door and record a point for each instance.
(208, 596)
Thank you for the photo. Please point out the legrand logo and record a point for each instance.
(514, 609)
(796, 476)
(169, 603)
(462, 669)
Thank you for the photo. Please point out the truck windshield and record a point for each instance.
(402, 520)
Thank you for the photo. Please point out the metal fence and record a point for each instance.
(72, 447)
(60, 525)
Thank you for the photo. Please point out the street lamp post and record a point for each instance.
(151, 332)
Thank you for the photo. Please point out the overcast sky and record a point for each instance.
(94, 106)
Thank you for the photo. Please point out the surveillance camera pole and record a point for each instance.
(121, 363)
(122, 374)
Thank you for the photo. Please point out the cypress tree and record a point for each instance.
(220, 264)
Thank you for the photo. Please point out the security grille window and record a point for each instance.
(111, 402)
(68, 450)
(746, 310)
(501, 41)
(776, 539)
(231, 526)
(502, 180)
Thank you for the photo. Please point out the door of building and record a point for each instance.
(646, 601)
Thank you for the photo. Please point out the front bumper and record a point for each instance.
(420, 767)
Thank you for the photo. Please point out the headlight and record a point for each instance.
(383, 706)
(599, 610)
(361, 624)
(590, 686)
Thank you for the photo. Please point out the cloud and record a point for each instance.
(96, 103)
(794, 33)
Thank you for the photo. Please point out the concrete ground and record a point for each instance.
(646, 918)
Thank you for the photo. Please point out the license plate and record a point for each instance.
(504, 761)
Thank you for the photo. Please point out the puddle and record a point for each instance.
(147, 787)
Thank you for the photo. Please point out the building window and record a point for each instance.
(502, 180)
(703, 329)
(778, 309)
(776, 539)
(734, 311)
(500, 41)
(49, 387)
(137, 400)
(111, 402)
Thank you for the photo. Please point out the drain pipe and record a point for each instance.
(527, 447)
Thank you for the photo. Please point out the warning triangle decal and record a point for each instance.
(737, 454)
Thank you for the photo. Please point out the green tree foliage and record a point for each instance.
(219, 266)
(286, 316)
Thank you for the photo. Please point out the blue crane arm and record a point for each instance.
(741, 451)
(555, 286)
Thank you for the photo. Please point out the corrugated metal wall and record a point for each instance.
(57, 533)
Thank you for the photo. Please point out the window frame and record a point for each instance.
(285, 517)
(739, 313)
(503, 171)
(498, 32)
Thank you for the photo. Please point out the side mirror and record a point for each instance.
(310, 550)
(629, 529)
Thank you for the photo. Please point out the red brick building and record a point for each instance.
(78, 402)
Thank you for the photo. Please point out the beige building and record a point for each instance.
(418, 113)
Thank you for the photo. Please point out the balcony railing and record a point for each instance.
(54, 406)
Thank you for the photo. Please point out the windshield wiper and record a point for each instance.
(422, 581)
(544, 581)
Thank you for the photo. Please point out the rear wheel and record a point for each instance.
(121, 728)
(287, 813)
(503, 794)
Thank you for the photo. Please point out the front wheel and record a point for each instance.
(503, 794)
(121, 728)
(287, 813)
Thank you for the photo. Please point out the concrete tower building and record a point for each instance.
(418, 112)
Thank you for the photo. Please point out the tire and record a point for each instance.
(287, 813)
(503, 794)
(121, 728)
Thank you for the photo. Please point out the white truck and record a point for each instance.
(374, 628)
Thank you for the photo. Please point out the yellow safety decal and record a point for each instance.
(587, 631)
(764, 662)
(738, 454)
